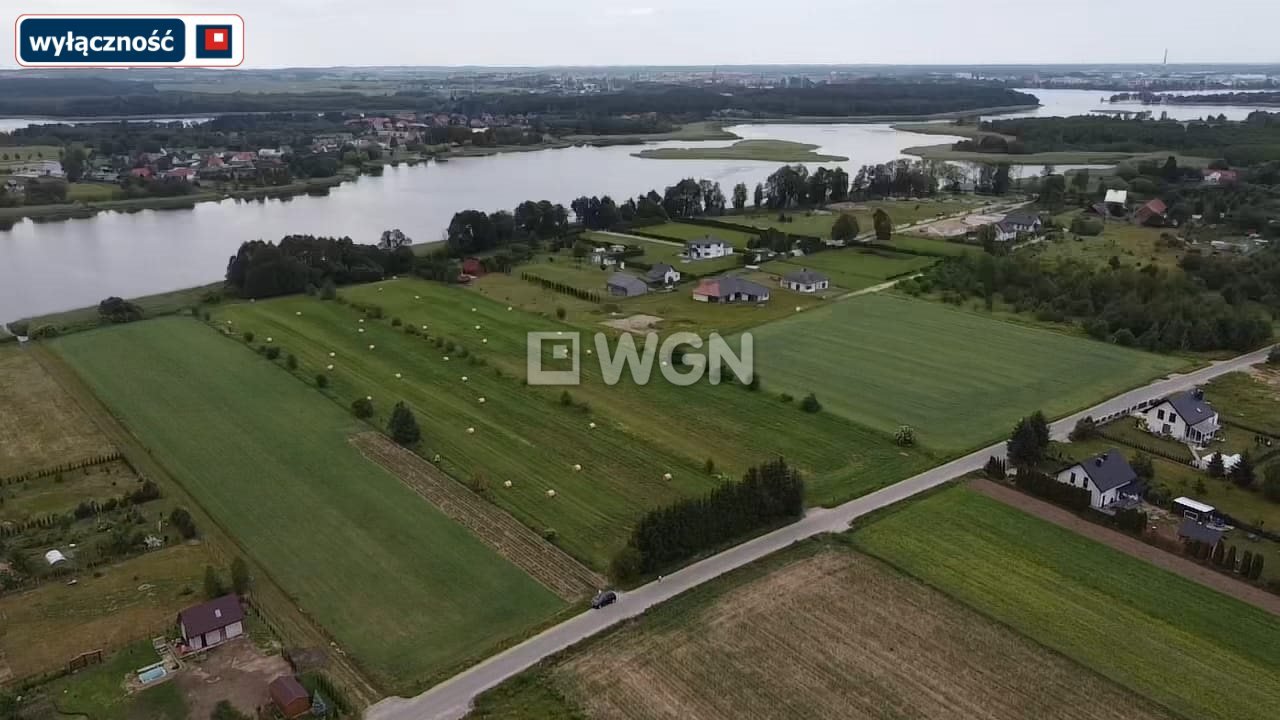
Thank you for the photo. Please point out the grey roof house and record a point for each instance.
(1108, 477)
(662, 274)
(624, 285)
(1186, 417)
(805, 281)
(730, 289)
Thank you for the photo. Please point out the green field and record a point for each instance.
(93, 192)
(403, 589)
(1133, 245)
(818, 222)
(681, 232)
(656, 252)
(854, 268)
(931, 246)
(642, 432)
(783, 151)
(958, 378)
(1197, 652)
(1252, 401)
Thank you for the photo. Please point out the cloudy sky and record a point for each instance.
(675, 32)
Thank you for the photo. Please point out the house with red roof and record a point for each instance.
(141, 172)
(730, 289)
(1153, 213)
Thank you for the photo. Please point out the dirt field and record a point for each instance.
(835, 635)
(40, 425)
(1130, 546)
(235, 672)
(635, 323)
(546, 563)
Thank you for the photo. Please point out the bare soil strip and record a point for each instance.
(1188, 569)
(527, 550)
(281, 611)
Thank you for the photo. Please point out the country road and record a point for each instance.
(452, 699)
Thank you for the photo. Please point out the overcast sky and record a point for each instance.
(677, 32)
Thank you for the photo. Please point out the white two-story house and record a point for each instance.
(707, 248)
(1185, 417)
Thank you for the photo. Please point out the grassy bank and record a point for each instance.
(765, 150)
(157, 305)
(1064, 157)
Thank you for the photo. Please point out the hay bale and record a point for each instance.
(482, 401)
(591, 425)
(471, 431)
(506, 484)
(398, 376)
(666, 476)
(329, 366)
(372, 347)
(551, 493)
(464, 378)
(577, 467)
(446, 358)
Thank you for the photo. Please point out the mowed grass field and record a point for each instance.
(400, 587)
(821, 632)
(1197, 652)
(853, 268)
(40, 425)
(958, 378)
(524, 434)
(682, 232)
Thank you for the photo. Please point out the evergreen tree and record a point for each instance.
(1255, 571)
(1246, 564)
(403, 426)
(1230, 562)
(1029, 441)
(810, 403)
(1219, 555)
(362, 408)
(883, 225)
(1216, 467)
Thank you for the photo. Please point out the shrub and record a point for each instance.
(905, 436)
(181, 519)
(709, 466)
(810, 403)
(995, 468)
(396, 322)
(1088, 227)
(362, 408)
(273, 352)
(44, 332)
(291, 362)
(784, 397)
(328, 291)
(213, 584)
(565, 398)
(248, 336)
(117, 310)
(322, 380)
(1086, 429)
(560, 313)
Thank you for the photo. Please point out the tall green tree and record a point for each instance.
(1242, 473)
(213, 585)
(403, 426)
(240, 579)
(883, 225)
(845, 228)
(739, 196)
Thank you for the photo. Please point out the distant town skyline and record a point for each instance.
(326, 33)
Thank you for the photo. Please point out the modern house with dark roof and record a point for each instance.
(730, 289)
(624, 285)
(1108, 478)
(662, 274)
(211, 623)
(707, 248)
(805, 281)
(1185, 417)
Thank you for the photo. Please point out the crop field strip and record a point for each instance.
(543, 561)
(818, 631)
(404, 589)
(1200, 653)
(958, 378)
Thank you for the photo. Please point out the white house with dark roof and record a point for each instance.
(805, 281)
(1108, 478)
(1023, 222)
(707, 248)
(1186, 417)
(662, 274)
(211, 623)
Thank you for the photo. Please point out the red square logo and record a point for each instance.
(217, 39)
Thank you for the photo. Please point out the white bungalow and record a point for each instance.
(1185, 417)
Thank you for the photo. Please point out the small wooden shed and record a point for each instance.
(289, 696)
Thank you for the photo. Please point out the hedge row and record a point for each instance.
(65, 467)
(1149, 449)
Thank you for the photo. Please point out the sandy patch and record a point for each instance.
(635, 323)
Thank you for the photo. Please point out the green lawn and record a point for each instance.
(932, 246)
(642, 431)
(958, 378)
(402, 588)
(98, 692)
(784, 151)
(1200, 653)
(1242, 398)
(854, 268)
(818, 222)
(681, 232)
(93, 192)
(1133, 245)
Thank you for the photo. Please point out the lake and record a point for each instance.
(48, 267)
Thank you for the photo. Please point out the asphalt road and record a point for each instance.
(452, 699)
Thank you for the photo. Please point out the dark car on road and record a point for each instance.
(605, 597)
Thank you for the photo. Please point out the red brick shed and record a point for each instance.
(289, 696)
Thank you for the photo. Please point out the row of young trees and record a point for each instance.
(1220, 555)
(1150, 307)
(766, 495)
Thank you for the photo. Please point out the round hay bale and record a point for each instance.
(333, 354)
(446, 358)
(666, 476)
(482, 401)
(506, 483)
(577, 467)
(508, 308)
(477, 327)
(417, 297)
(361, 320)
(551, 493)
(471, 431)
(372, 347)
(473, 309)
(591, 425)
(484, 340)
(369, 398)
(398, 376)
(329, 366)
(268, 339)
(798, 308)
(298, 313)
(464, 378)
(361, 330)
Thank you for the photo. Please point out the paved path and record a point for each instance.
(451, 699)
(1129, 545)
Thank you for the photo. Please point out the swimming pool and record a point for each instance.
(151, 674)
